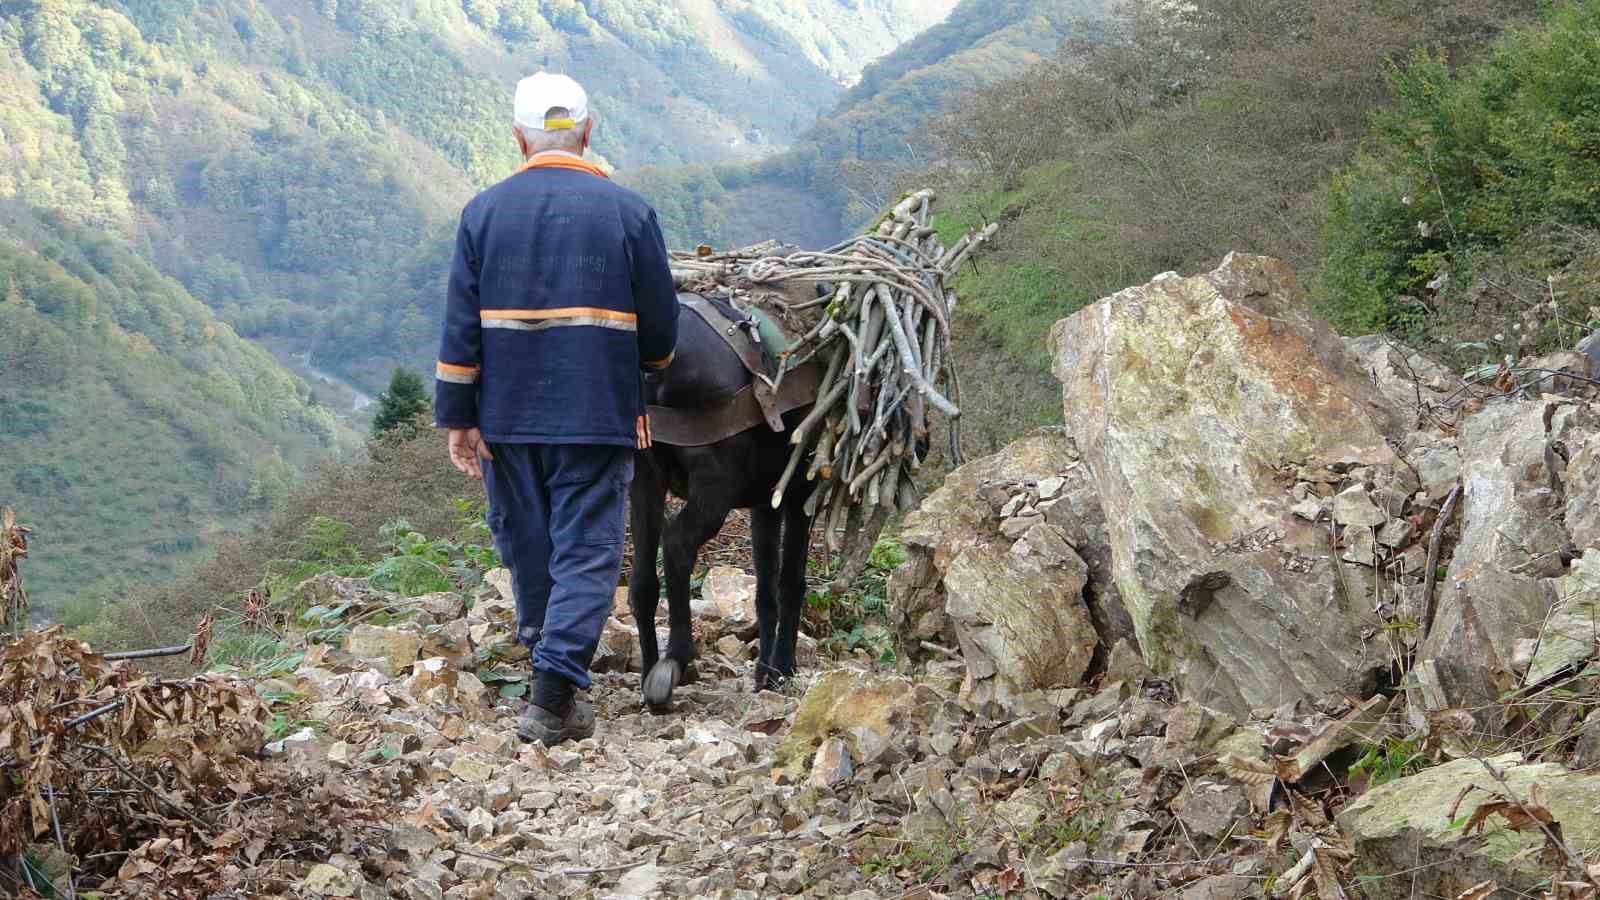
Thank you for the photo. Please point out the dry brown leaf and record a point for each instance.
(1276, 827)
(1532, 816)
(1258, 776)
(1325, 869)
(202, 640)
(1519, 817)
(1308, 811)
(1483, 890)
(1248, 771)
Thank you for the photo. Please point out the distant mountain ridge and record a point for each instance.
(284, 158)
(807, 194)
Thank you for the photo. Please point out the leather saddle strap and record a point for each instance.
(699, 426)
(749, 353)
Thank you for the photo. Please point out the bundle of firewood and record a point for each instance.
(873, 312)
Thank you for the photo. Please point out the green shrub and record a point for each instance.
(1462, 168)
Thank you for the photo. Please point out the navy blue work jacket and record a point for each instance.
(559, 294)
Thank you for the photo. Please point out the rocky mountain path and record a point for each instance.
(690, 801)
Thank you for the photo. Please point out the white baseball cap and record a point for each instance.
(538, 94)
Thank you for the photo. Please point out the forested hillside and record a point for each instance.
(1174, 138)
(284, 159)
(135, 428)
(296, 167)
(857, 156)
(1428, 167)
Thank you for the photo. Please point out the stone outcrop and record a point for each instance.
(1514, 548)
(1406, 379)
(861, 711)
(1008, 560)
(1195, 402)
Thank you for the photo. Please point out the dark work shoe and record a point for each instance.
(551, 728)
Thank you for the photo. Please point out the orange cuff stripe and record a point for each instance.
(662, 363)
(445, 368)
(567, 312)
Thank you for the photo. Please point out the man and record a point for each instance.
(559, 294)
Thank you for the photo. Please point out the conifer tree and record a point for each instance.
(403, 401)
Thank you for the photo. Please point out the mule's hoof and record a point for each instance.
(769, 679)
(663, 678)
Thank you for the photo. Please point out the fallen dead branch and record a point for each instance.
(1435, 543)
(139, 780)
(147, 654)
(13, 549)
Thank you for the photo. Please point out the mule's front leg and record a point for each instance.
(685, 535)
(647, 505)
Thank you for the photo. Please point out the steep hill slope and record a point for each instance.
(1176, 139)
(296, 165)
(134, 427)
(283, 158)
(847, 164)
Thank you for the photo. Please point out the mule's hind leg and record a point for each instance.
(688, 531)
(647, 502)
(766, 528)
(780, 666)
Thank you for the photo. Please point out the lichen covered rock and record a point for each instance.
(1191, 398)
(1406, 826)
(1009, 561)
(1501, 584)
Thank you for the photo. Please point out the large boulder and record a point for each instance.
(1409, 840)
(1009, 561)
(1194, 402)
(1513, 546)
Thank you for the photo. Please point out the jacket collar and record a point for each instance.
(560, 159)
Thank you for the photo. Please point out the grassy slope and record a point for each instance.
(406, 477)
(135, 429)
(1245, 163)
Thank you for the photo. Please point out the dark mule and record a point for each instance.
(740, 472)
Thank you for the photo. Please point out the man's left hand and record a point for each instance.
(642, 429)
(468, 451)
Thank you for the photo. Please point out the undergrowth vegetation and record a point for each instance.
(399, 514)
(412, 565)
(1161, 138)
(1471, 214)
(858, 619)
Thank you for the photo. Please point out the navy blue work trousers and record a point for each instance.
(556, 513)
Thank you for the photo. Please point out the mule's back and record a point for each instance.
(704, 368)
